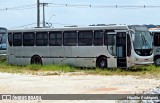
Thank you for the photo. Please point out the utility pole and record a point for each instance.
(38, 14)
(44, 4)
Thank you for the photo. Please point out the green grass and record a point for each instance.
(57, 69)
(151, 71)
(62, 68)
(4, 67)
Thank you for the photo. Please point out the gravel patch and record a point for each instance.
(74, 84)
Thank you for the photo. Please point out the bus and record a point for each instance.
(155, 33)
(3, 33)
(107, 46)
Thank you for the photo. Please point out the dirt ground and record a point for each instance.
(73, 84)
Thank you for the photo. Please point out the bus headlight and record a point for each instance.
(151, 51)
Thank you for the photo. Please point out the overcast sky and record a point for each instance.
(82, 16)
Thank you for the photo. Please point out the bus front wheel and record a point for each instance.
(36, 60)
(102, 62)
(157, 62)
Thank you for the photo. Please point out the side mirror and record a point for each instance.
(133, 37)
(132, 32)
(0, 46)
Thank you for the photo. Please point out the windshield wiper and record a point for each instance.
(145, 42)
(142, 41)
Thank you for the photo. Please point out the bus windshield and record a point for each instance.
(3, 38)
(142, 40)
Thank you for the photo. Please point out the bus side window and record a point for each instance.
(41, 38)
(111, 44)
(17, 39)
(106, 36)
(70, 38)
(3, 39)
(55, 38)
(28, 39)
(85, 38)
(156, 39)
(10, 39)
(98, 38)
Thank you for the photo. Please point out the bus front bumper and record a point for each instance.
(143, 63)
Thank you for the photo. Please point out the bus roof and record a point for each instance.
(3, 30)
(155, 30)
(109, 27)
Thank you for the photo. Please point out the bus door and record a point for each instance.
(111, 47)
(121, 49)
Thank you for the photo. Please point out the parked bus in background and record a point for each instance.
(94, 46)
(155, 33)
(3, 33)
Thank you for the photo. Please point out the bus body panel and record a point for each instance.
(155, 33)
(156, 50)
(143, 60)
(82, 56)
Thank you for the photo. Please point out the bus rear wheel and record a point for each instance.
(102, 62)
(36, 60)
(157, 62)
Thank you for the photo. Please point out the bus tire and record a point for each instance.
(157, 62)
(102, 62)
(36, 59)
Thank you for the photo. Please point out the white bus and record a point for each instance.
(3, 34)
(96, 46)
(155, 33)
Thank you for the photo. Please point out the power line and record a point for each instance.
(24, 7)
(101, 6)
(24, 25)
(31, 6)
(19, 7)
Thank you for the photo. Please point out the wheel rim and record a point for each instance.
(102, 64)
(37, 61)
(157, 61)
